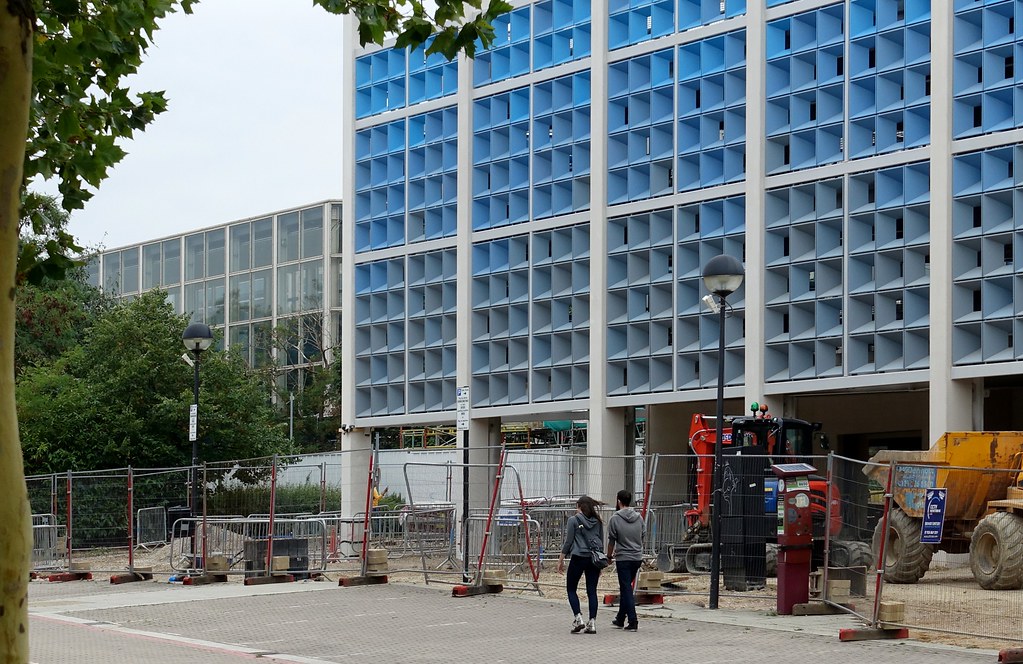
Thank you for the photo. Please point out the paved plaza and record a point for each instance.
(92, 621)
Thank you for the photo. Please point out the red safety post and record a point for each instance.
(490, 512)
(879, 577)
(142, 574)
(131, 521)
(270, 532)
(69, 520)
(875, 630)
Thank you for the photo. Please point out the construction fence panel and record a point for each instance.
(158, 497)
(245, 544)
(47, 543)
(953, 557)
(844, 523)
(99, 510)
(240, 488)
(42, 493)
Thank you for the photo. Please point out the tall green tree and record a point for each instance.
(66, 120)
(122, 398)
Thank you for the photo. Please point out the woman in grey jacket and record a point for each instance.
(583, 527)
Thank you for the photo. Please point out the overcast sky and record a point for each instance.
(253, 125)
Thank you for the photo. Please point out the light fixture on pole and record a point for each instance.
(197, 337)
(722, 275)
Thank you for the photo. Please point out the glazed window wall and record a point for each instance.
(500, 174)
(433, 175)
(112, 272)
(987, 267)
(640, 119)
(635, 21)
(889, 269)
(693, 13)
(430, 76)
(561, 146)
(379, 343)
(152, 263)
(561, 32)
(805, 81)
(705, 230)
(560, 314)
(712, 111)
(639, 303)
(380, 80)
(890, 76)
(380, 186)
(508, 55)
(500, 322)
(432, 331)
(987, 86)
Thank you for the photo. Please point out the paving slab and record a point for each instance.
(319, 622)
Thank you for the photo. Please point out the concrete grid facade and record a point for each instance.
(532, 224)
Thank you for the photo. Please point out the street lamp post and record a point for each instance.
(722, 275)
(197, 337)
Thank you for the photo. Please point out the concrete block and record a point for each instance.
(280, 564)
(892, 612)
(217, 564)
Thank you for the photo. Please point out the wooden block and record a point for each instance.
(80, 567)
(892, 612)
(280, 564)
(495, 576)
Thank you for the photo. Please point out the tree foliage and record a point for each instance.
(65, 110)
(455, 25)
(122, 397)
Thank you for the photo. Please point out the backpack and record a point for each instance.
(597, 556)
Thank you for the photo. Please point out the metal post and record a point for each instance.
(270, 520)
(291, 416)
(131, 522)
(195, 443)
(70, 522)
(715, 539)
(465, 506)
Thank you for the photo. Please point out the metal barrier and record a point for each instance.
(244, 542)
(151, 527)
(47, 542)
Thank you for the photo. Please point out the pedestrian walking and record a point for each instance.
(625, 531)
(583, 528)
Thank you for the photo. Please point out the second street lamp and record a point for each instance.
(722, 275)
(197, 338)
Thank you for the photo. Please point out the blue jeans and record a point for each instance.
(627, 570)
(578, 566)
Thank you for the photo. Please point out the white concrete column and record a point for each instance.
(754, 261)
(951, 401)
(358, 448)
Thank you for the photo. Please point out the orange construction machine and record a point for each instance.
(777, 440)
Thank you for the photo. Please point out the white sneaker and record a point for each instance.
(591, 627)
(577, 623)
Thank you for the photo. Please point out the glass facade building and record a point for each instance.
(247, 279)
(532, 224)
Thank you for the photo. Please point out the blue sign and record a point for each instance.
(934, 516)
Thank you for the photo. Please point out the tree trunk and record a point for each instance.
(15, 522)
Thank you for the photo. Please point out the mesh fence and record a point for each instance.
(953, 555)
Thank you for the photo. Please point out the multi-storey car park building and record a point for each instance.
(532, 224)
(247, 278)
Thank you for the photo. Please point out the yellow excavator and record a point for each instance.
(983, 508)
